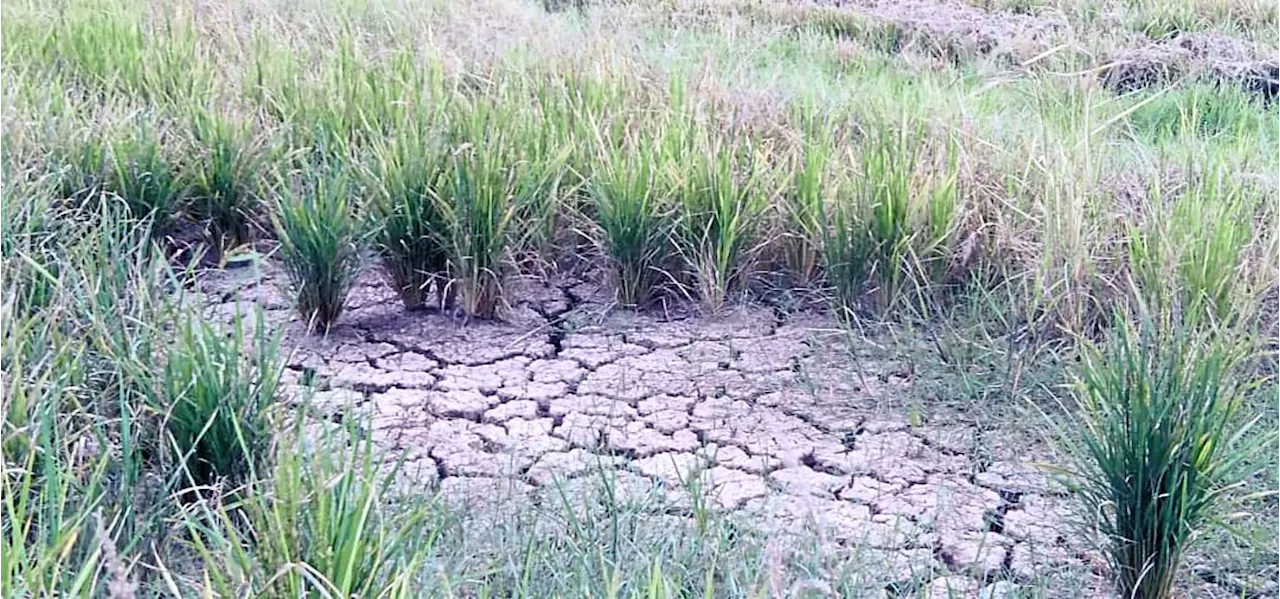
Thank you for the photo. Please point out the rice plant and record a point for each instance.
(81, 167)
(148, 182)
(226, 177)
(888, 164)
(216, 392)
(408, 226)
(721, 207)
(848, 249)
(1186, 255)
(486, 186)
(805, 198)
(320, 240)
(632, 213)
(1161, 444)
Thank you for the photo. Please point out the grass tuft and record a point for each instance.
(408, 224)
(320, 239)
(1162, 443)
(215, 399)
(632, 213)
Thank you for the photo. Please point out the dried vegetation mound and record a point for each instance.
(957, 30)
(1203, 56)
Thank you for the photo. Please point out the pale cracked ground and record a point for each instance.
(770, 419)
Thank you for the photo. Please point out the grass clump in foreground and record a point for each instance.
(320, 240)
(215, 400)
(1162, 442)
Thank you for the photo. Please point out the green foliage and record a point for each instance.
(483, 191)
(408, 224)
(146, 179)
(226, 177)
(1198, 111)
(317, 526)
(1188, 254)
(1161, 443)
(320, 240)
(722, 203)
(895, 224)
(216, 392)
(632, 213)
(805, 203)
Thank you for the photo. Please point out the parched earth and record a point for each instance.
(769, 418)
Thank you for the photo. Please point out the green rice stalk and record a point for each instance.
(409, 228)
(215, 397)
(721, 207)
(1161, 442)
(226, 177)
(633, 216)
(320, 239)
(144, 177)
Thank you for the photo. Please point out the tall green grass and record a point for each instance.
(216, 392)
(320, 238)
(806, 202)
(226, 177)
(1162, 443)
(487, 185)
(409, 227)
(722, 203)
(634, 215)
(318, 524)
(144, 176)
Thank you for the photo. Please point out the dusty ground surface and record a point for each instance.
(769, 418)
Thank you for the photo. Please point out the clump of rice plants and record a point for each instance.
(226, 177)
(804, 205)
(80, 166)
(1161, 443)
(1188, 252)
(487, 184)
(894, 224)
(634, 218)
(215, 397)
(1197, 111)
(145, 178)
(408, 224)
(320, 240)
(721, 206)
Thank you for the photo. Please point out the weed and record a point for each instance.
(317, 526)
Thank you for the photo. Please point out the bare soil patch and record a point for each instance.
(767, 416)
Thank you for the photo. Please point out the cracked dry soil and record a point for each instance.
(768, 416)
